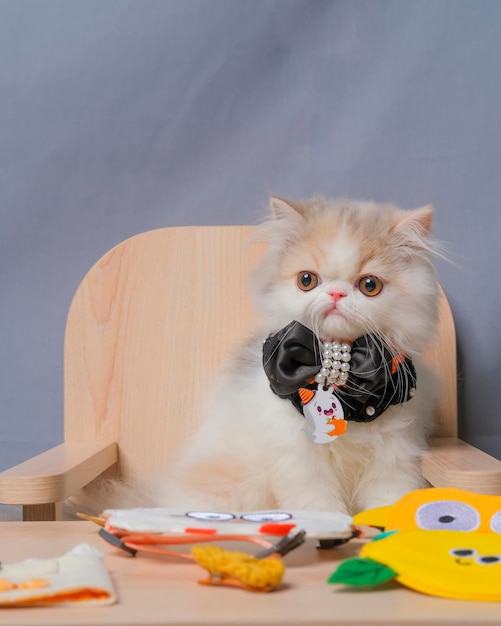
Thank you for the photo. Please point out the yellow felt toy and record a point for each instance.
(443, 508)
(443, 542)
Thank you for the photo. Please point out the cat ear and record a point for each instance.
(417, 222)
(288, 220)
(283, 209)
(413, 229)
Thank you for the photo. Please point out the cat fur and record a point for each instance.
(251, 452)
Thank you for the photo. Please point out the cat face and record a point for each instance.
(345, 269)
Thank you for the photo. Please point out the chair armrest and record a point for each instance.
(451, 462)
(56, 474)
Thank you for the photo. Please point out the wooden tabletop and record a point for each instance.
(160, 591)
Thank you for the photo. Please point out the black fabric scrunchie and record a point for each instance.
(378, 377)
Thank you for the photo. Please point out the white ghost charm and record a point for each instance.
(324, 413)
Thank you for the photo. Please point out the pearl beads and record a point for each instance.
(336, 359)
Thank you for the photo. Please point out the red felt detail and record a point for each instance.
(201, 531)
(272, 528)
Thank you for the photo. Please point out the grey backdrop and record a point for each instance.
(122, 116)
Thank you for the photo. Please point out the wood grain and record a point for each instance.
(56, 474)
(146, 332)
(451, 462)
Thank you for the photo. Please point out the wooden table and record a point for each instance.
(160, 591)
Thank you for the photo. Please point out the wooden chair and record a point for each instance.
(146, 330)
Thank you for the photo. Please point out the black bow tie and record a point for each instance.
(377, 379)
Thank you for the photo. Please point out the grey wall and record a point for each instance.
(120, 116)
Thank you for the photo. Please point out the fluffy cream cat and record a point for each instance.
(343, 269)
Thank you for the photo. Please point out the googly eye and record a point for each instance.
(447, 515)
(267, 516)
(462, 553)
(306, 281)
(496, 522)
(370, 286)
(488, 560)
(210, 516)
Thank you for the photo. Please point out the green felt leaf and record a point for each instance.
(361, 572)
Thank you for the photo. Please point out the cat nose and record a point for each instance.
(337, 295)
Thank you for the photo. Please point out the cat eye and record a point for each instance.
(306, 281)
(370, 285)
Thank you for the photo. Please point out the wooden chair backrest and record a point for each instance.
(148, 327)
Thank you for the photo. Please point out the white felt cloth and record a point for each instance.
(317, 524)
(78, 577)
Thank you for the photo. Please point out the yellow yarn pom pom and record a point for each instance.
(238, 568)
